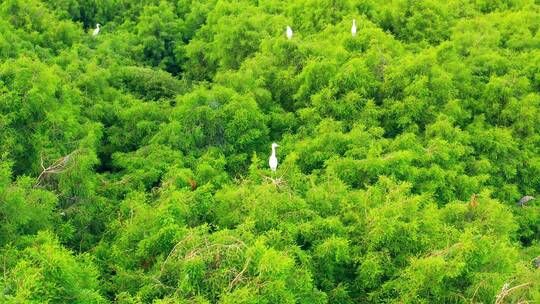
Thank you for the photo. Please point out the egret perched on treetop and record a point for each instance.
(353, 28)
(96, 31)
(289, 32)
(273, 159)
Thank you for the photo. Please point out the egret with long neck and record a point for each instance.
(353, 28)
(96, 31)
(273, 159)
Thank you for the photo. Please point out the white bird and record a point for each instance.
(289, 32)
(96, 31)
(353, 28)
(273, 159)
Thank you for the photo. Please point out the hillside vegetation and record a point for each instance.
(134, 163)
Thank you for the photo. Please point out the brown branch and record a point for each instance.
(173, 251)
(476, 291)
(505, 292)
(58, 166)
(446, 250)
(201, 247)
(239, 275)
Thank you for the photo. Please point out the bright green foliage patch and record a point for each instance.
(134, 164)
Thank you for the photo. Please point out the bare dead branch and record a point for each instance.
(239, 275)
(58, 166)
(173, 251)
(504, 292)
(476, 291)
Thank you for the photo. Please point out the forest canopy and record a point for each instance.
(134, 155)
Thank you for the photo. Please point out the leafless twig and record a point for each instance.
(476, 291)
(58, 166)
(239, 275)
(504, 292)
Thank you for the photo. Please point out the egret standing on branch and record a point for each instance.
(353, 28)
(96, 31)
(289, 32)
(273, 159)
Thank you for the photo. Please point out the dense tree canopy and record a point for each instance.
(133, 163)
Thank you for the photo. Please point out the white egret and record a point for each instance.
(353, 28)
(96, 31)
(273, 159)
(289, 32)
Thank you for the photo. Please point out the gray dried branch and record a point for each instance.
(56, 167)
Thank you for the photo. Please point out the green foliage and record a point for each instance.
(23, 210)
(133, 164)
(46, 272)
